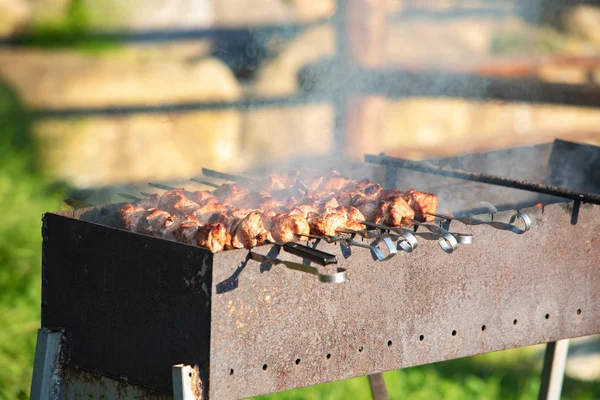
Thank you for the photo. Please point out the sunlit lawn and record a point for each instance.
(25, 195)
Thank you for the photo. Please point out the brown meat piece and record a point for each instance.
(230, 192)
(389, 194)
(328, 224)
(248, 231)
(264, 237)
(213, 236)
(367, 206)
(367, 188)
(133, 218)
(149, 202)
(316, 183)
(168, 197)
(188, 231)
(343, 198)
(157, 221)
(288, 228)
(202, 197)
(306, 209)
(204, 213)
(174, 202)
(239, 212)
(335, 182)
(329, 205)
(217, 217)
(270, 204)
(231, 224)
(267, 219)
(273, 182)
(249, 200)
(422, 203)
(185, 207)
(233, 218)
(394, 212)
(297, 191)
(171, 229)
(294, 211)
(354, 225)
(351, 213)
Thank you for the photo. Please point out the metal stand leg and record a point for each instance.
(47, 351)
(378, 388)
(555, 361)
(187, 383)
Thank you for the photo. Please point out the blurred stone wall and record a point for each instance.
(107, 150)
(102, 150)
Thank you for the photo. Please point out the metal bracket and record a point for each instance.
(553, 373)
(44, 384)
(188, 383)
(391, 176)
(378, 389)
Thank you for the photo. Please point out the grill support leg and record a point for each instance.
(45, 365)
(188, 383)
(553, 372)
(378, 389)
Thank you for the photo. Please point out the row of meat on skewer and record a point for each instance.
(278, 208)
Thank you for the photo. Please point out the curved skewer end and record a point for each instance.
(340, 276)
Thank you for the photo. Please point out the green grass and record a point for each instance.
(511, 374)
(25, 194)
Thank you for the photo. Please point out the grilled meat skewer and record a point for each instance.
(277, 208)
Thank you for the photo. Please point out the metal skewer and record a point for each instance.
(77, 203)
(167, 187)
(129, 197)
(349, 241)
(229, 177)
(503, 226)
(207, 183)
(448, 241)
(406, 241)
(341, 275)
(306, 252)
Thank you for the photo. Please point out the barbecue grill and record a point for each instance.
(133, 315)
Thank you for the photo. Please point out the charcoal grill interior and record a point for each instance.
(131, 306)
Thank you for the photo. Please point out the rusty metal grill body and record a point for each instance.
(131, 306)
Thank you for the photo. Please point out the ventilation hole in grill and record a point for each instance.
(360, 349)
(515, 322)
(482, 328)
(578, 311)
(453, 333)
(297, 361)
(265, 367)
(230, 371)
(389, 343)
(421, 338)
(328, 356)
(547, 316)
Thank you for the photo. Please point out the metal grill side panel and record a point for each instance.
(130, 306)
(279, 329)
